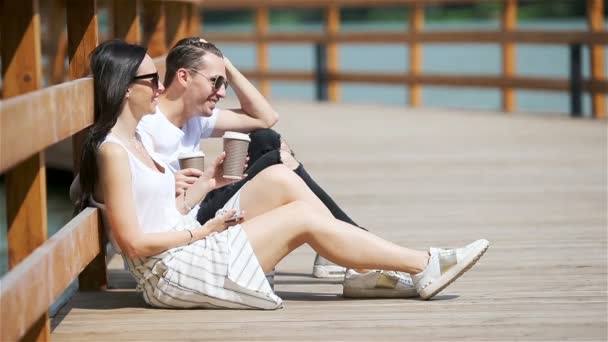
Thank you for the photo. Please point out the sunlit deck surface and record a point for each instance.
(535, 186)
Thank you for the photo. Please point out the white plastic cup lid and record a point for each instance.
(236, 135)
(192, 154)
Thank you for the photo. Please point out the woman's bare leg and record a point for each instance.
(273, 187)
(276, 233)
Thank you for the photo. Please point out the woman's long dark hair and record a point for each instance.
(114, 64)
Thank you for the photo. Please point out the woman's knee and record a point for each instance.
(280, 177)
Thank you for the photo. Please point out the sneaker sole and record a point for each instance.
(351, 292)
(453, 274)
(328, 271)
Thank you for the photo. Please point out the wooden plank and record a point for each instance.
(262, 23)
(54, 71)
(26, 182)
(332, 27)
(195, 20)
(416, 25)
(509, 54)
(65, 109)
(33, 285)
(154, 28)
(21, 67)
(447, 37)
(82, 35)
(596, 21)
(83, 38)
(126, 21)
(177, 20)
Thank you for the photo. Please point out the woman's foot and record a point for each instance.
(446, 265)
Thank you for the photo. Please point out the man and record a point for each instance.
(196, 79)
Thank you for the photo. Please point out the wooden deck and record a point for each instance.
(534, 186)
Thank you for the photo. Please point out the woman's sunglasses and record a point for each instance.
(217, 82)
(153, 76)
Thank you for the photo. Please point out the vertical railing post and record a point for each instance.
(332, 28)
(82, 39)
(596, 21)
(154, 27)
(321, 85)
(195, 22)
(126, 21)
(26, 209)
(509, 24)
(177, 22)
(576, 81)
(416, 25)
(55, 70)
(262, 23)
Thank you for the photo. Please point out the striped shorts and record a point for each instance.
(220, 271)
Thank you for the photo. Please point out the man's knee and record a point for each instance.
(265, 139)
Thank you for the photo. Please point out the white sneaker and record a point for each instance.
(378, 284)
(446, 265)
(324, 268)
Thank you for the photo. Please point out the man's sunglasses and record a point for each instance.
(153, 76)
(217, 82)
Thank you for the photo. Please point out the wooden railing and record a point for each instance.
(32, 119)
(507, 37)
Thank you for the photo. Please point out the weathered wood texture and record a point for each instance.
(26, 181)
(534, 186)
(154, 18)
(31, 287)
(126, 20)
(65, 109)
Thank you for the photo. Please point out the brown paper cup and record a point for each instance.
(195, 160)
(236, 146)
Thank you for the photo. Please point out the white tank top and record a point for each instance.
(153, 193)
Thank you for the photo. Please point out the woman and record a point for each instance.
(180, 264)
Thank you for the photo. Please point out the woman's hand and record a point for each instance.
(221, 222)
(214, 175)
(185, 178)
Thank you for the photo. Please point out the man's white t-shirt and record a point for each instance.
(168, 141)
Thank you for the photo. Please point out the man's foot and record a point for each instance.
(378, 284)
(324, 268)
(446, 265)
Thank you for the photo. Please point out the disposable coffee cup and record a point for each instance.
(236, 146)
(194, 160)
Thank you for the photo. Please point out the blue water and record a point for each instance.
(545, 60)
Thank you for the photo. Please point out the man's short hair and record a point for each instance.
(188, 53)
